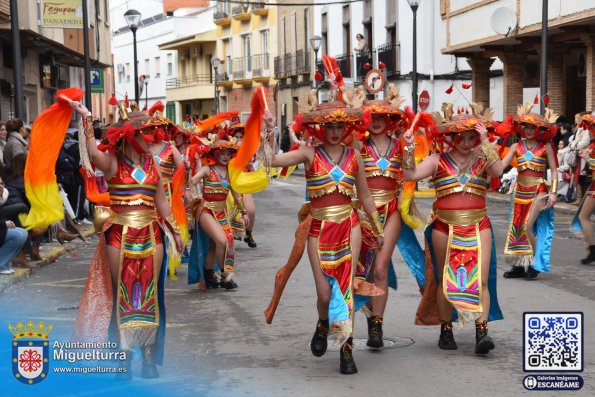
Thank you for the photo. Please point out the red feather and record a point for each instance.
(449, 89)
(466, 86)
(546, 99)
(157, 107)
(126, 101)
(331, 67)
(536, 100)
(113, 100)
(318, 76)
(381, 65)
(297, 122)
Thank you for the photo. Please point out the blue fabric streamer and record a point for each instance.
(543, 228)
(337, 309)
(412, 253)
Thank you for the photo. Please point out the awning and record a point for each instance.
(204, 37)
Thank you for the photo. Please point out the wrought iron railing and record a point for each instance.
(186, 81)
(260, 65)
(364, 61)
(242, 68)
(388, 54)
(344, 61)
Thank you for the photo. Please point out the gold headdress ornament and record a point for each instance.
(353, 97)
(393, 96)
(122, 110)
(525, 116)
(452, 123)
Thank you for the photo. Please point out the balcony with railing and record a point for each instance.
(260, 9)
(389, 55)
(292, 64)
(242, 70)
(198, 86)
(261, 68)
(221, 18)
(345, 62)
(240, 13)
(224, 79)
(364, 61)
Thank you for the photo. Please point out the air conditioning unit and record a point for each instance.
(120, 68)
(185, 53)
(197, 51)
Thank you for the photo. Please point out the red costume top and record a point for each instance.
(450, 180)
(383, 172)
(133, 187)
(215, 187)
(165, 158)
(531, 161)
(325, 178)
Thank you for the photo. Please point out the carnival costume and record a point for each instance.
(461, 283)
(531, 165)
(587, 122)
(131, 224)
(384, 172)
(329, 216)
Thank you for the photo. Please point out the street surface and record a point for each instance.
(218, 343)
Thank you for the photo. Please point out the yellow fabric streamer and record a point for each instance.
(249, 182)
(408, 212)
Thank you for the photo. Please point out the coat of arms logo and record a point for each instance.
(30, 351)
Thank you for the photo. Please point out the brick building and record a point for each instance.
(469, 28)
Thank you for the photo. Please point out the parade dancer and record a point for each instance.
(237, 132)
(131, 245)
(582, 219)
(213, 219)
(381, 154)
(333, 171)
(533, 198)
(461, 270)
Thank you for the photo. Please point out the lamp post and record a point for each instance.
(315, 42)
(147, 92)
(215, 62)
(414, 4)
(132, 18)
(543, 67)
(19, 106)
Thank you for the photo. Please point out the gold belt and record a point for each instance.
(136, 219)
(460, 217)
(527, 180)
(333, 213)
(382, 196)
(216, 206)
(166, 179)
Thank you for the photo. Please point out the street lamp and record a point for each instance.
(132, 18)
(414, 4)
(215, 62)
(316, 42)
(147, 92)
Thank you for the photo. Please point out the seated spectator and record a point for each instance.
(16, 142)
(12, 239)
(3, 135)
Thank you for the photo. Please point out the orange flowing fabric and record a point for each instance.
(92, 190)
(177, 203)
(47, 137)
(251, 140)
(205, 125)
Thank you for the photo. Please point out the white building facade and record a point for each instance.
(157, 27)
(387, 26)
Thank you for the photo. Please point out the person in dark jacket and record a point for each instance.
(12, 239)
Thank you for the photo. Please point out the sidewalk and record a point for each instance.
(49, 252)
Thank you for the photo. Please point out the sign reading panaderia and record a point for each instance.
(62, 13)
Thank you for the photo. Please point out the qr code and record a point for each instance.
(553, 342)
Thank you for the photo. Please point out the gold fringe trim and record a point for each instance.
(341, 331)
(137, 335)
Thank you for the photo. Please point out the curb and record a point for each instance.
(46, 258)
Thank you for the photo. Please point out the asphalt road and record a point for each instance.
(218, 343)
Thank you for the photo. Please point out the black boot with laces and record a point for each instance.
(483, 343)
(249, 240)
(347, 366)
(447, 339)
(375, 332)
(318, 344)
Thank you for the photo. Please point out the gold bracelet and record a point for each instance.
(554, 188)
(490, 152)
(376, 225)
(173, 225)
(408, 157)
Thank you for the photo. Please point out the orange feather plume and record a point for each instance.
(251, 140)
(205, 125)
(177, 203)
(47, 137)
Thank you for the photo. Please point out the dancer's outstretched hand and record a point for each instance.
(179, 242)
(551, 200)
(79, 108)
(269, 119)
(408, 137)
